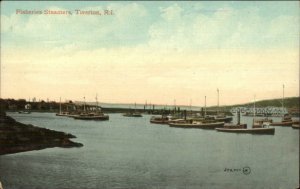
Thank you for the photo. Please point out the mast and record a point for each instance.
(218, 102)
(96, 101)
(254, 111)
(59, 105)
(282, 99)
(84, 104)
(205, 107)
(174, 106)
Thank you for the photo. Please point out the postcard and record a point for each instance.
(149, 94)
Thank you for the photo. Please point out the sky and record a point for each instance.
(151, 51)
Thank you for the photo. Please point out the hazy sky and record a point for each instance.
(154, 51)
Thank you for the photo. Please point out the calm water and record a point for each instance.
(132, 153)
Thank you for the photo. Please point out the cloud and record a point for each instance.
(226, 27)
(50, 31)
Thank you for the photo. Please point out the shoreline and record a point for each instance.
(16, 137)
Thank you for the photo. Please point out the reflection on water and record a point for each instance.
(132, 153)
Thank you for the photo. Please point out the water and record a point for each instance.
(132, 153)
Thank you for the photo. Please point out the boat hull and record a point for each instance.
(159, 121)
(225, 119)
(96, 118)
(287, 124)
(295, 126)
(249, 131)
(133, 115)
(198, 125)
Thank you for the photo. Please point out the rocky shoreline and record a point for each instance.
(18, 137)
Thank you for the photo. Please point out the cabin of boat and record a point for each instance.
(258, 123)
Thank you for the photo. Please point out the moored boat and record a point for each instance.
(251, 130)
(92, 116)
(133, 114)
(24, 112)
(257, 123)
(97, 115)
(198, 125)
(286, 121)
(242, 128)
(295, 126)
(159, 120)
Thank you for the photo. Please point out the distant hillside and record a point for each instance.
(291, 102)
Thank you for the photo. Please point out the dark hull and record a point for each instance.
(132, 115)
(270, 131)
(198, 126)
(287, 124)
(96, 118)
(22, 112)
(225, 119)
(159, 121)
(62, 115)
(295, 126)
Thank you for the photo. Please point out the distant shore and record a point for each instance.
(18, 137)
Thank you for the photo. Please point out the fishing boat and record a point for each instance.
(250, 131)
(286, 119)
(133, 113)
(91, 116)
(259, 123)
(24, 112)
(295, 126)
(60, 112)
(242, 128)
(221, 116)
(97, 115)
(196, 124)
(160, 120)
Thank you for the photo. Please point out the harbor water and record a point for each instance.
(127, 152)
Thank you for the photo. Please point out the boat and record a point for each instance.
(242, 128)
(250, 131)
(196, 124)
(60, 112)
(24, 112)
(160, 120)
(133, 113)
(295, 126)
(221, 116)
(97, 115)
(286, 121)
(91, 116)
(261, 122)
